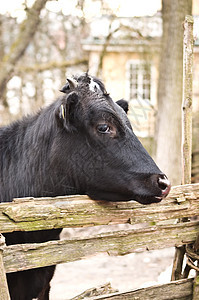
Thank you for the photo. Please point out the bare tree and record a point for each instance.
(168, 135)
(38, 59)
(17, 49)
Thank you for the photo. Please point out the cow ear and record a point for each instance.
(123, 104)
(70, 85)
(65, 113)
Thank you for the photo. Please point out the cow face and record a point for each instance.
(105, 158)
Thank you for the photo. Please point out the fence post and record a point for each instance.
(4, 293)
(186, 127)
(187, 100)
(196, 288)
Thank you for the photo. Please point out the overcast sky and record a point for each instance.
(126, 8)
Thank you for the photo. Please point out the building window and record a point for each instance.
(140, 92)
(139, 80)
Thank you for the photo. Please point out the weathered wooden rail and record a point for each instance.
(77, 211)
(158, 229)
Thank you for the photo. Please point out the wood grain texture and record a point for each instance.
(76, 211)
(27, 256)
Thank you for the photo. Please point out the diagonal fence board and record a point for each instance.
(27, 256)
(180, 289)
(75, 211)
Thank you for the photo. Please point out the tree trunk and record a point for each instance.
(168, 129)
(27, 30)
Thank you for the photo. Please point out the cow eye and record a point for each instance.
(103, 128)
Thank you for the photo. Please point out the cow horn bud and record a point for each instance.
(72, 83)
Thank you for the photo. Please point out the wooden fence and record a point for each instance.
(158, 229)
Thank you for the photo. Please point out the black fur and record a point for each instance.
(83, 143)
(123, 104)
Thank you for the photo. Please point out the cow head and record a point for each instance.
(105, 159)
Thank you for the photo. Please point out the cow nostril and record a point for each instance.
(164, 184)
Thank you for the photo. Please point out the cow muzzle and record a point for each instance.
(164, 184)
(152, 189)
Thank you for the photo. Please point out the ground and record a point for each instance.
(125, 273)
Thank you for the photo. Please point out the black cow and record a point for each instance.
(83, 143)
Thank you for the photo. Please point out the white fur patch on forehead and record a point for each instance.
(94, 86)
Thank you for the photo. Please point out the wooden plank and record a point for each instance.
(27, 256)
(187, 100)
(4, 293)
(75, 211)
(196, 288)
(94, 292)
(181, 289)
(186, 128)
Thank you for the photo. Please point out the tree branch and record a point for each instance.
(51, 65)
(17, 49)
